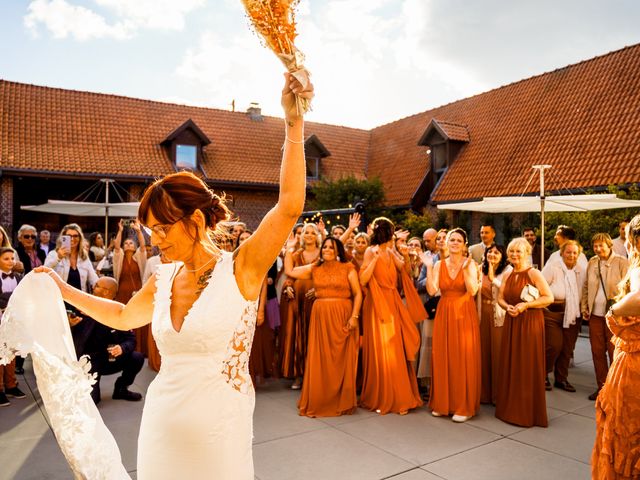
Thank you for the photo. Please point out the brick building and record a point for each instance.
(582, 119)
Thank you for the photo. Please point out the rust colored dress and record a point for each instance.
(295, 315)
(616, 453)
(490, 340)
(329, 386)
(130, 281)
(262, 357)
(521, 398)
(455, 367)
(390, 342)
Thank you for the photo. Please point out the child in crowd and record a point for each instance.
(8, 282)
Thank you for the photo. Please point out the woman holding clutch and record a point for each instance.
(523, 294)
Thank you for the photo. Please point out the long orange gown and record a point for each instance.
(455, 367)
(616, 453)
(490, 341)
(521, 396)
(329, 386)
(390, 342)
(295, 315)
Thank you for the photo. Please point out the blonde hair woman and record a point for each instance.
(520, 397)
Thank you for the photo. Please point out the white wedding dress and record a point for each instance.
(198, 413)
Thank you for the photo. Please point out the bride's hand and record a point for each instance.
(52, 273)
(293, 87)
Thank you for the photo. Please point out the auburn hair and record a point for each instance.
(177, 196)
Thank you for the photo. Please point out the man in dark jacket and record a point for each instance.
(111, 351)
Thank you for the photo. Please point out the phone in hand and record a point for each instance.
(65, 242)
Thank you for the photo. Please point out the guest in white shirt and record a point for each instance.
(563, 234)
(619, 242)
(566, 279)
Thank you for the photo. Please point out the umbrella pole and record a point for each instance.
(541, 169)
(106, 212)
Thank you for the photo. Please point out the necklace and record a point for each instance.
(453, 269)
(202, 266)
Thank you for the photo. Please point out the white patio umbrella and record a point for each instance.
(86, 209)
(555, 203)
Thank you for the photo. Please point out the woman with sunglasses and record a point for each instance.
(30, 256)
(72, 264)
(197, 418)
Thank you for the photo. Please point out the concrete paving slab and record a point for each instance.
(324, 454)
(507, 459)
(415, 474)
(570, 435)
(487, 420)
(418, 437)
(273, 419)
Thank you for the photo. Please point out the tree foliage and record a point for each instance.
(345, 191)
(587, 224)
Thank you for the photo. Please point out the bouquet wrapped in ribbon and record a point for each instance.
(274, 21)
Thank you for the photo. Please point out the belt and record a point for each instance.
(487, 302)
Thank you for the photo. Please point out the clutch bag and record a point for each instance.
(529, 293)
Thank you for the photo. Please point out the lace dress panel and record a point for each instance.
(235, 366)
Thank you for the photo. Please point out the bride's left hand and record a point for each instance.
(293, 87)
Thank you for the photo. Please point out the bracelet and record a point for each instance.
(355, 316)
(287, 139)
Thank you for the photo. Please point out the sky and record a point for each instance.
(371, 61)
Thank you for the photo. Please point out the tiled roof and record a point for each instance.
(453, 131)
(65, 131)
(583, 119)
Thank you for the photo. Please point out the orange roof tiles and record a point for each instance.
(583, 120)
(65, 131)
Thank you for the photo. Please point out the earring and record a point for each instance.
(337, 258)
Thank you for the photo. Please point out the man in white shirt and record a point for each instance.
(487, 235)
(563, 234)
(618, 242)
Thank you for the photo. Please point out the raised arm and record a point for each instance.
(117, 243)
(256, 255)
(354, 222)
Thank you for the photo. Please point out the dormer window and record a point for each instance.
(314, 152)
(444, 141)
(185, 146)
(186, 157)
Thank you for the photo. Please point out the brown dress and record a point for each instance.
(616, 453)
(521, 396)
(490, 339)
(295, 315)
(390, 342)
(329, 386)
(455, 370)
(130, 281)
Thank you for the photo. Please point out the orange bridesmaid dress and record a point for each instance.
(390, 341)
(329, 386)
(455, 367)
(295, 316)
(520, 398)
(616, 453)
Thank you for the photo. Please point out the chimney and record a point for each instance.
(255, 112)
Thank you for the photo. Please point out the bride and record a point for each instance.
(197, 419)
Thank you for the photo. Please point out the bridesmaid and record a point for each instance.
(494, 269)
(390, 337)
(520, 398)
(294, 341)
(455, 379)
(616, 453)
(128, 267)
(329, 386)
(360, 244)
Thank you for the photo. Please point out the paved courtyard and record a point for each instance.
(360, 446)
